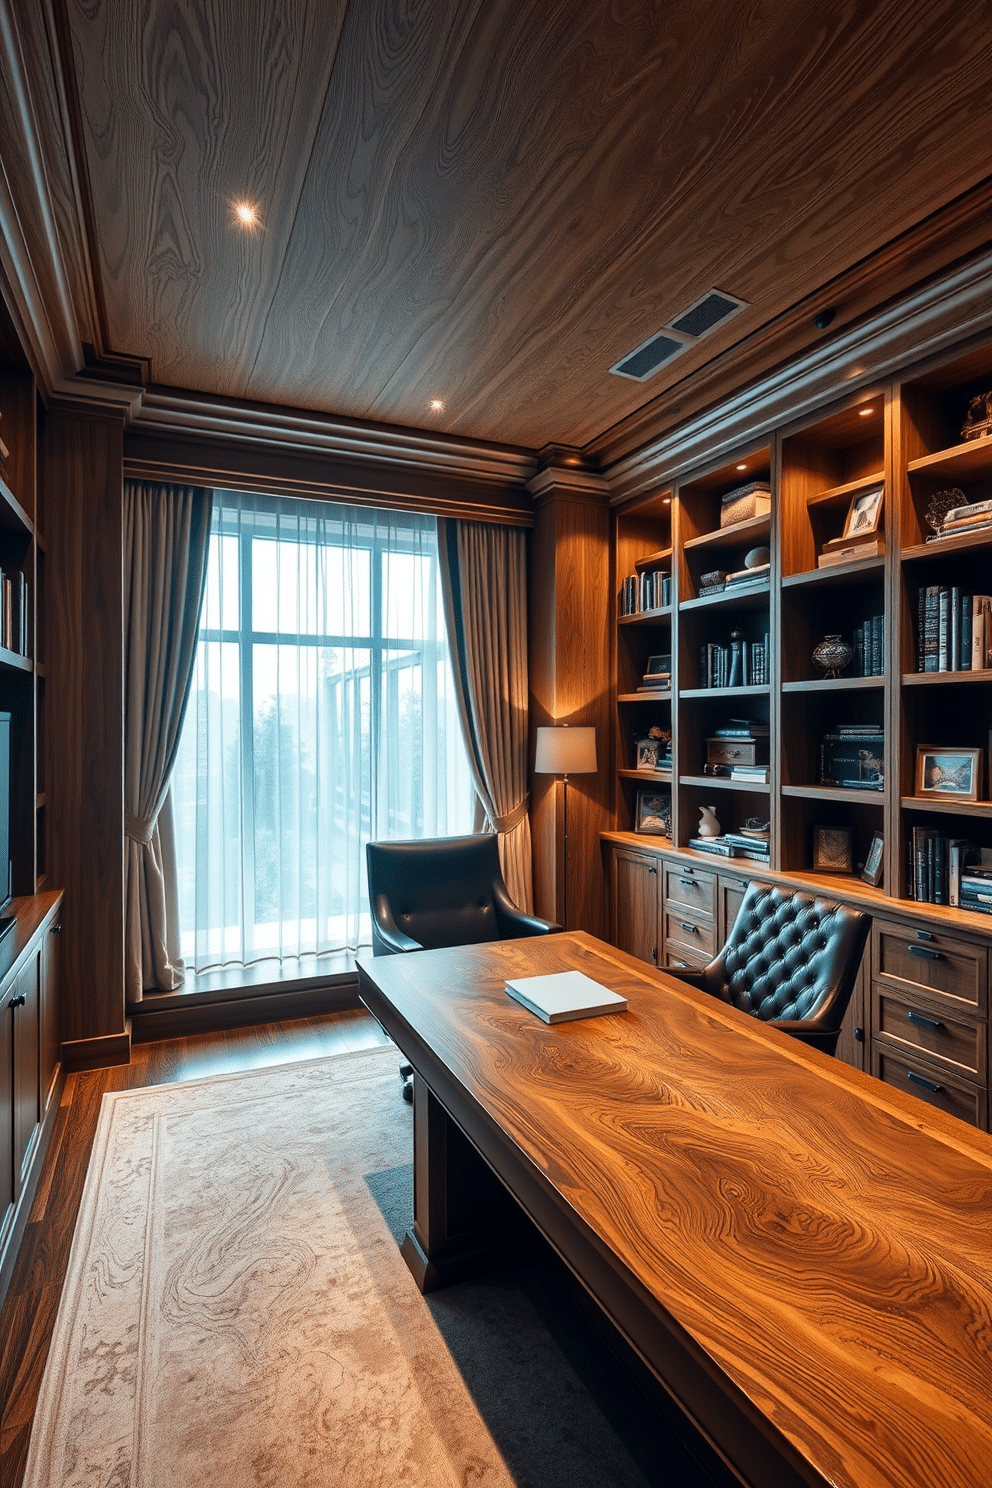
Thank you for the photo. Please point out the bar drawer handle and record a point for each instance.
(919, 1019)
(924, 951)
(690, 883)
(19, 1001)
(919, 1080)
(694, 929)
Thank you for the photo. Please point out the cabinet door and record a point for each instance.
(50, 1051)
(851, 1044)
(730, 897)
(8, 1191)
(24, 1002)
(636, 905)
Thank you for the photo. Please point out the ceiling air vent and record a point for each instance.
(707, 313)
(645, 360)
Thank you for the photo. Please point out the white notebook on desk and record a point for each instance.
(564, 995)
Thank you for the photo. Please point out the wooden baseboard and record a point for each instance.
(185, 1017)
(97, 1053)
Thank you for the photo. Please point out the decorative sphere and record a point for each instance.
(832, 655)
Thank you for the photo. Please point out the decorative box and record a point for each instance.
(737, 751)
(739, 505)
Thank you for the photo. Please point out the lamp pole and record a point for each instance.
(565, 751)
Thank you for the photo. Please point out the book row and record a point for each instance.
(949, 870)
(954, 630)
(650, 590)
(14, 612)
(741, 664)
(869, 647)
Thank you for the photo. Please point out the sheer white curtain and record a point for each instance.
(323, 714)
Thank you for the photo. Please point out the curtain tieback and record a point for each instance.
(512, 820)
(139, 831)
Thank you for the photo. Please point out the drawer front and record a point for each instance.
(689, 889)
(676, 956)
(685, 934)
(941, 966)
(958, 1041)
(947, 1092)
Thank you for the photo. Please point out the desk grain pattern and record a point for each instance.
(823, 1239)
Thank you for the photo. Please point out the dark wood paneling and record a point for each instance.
(484, 204)
(84, 770)
(569, 683)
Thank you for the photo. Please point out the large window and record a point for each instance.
(322, 715)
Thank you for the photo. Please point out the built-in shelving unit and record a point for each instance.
(903, 438)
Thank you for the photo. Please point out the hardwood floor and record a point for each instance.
(28, 1315)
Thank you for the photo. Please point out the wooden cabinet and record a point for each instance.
(929, 1016)
(636, 906)
(29, 1062)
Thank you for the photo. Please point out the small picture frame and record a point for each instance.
(654, 813)
(864, 513)
(647, 753)
(874, 863)
(832, 850)
(659, 666)
(954, 773)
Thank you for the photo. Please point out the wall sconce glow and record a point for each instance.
(246, 215)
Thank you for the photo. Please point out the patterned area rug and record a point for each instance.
(236, 1310)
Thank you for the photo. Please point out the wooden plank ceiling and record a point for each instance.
(489, 202)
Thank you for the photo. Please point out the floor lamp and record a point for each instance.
(565, 751)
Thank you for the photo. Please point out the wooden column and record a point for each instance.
(83, 603)
(569, 682)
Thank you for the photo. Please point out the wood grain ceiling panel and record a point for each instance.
(489, 202)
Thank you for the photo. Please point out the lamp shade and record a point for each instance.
(565, 751)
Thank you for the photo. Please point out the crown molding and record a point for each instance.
(916, 328)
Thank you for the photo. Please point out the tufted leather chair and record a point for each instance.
(791, 960)
(445, 891)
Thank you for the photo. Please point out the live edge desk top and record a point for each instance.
(802, 1254)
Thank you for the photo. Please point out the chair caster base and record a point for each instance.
(408, 1090)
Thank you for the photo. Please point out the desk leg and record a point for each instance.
(459, 1205)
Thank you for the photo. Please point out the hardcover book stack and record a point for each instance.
(742, 663)
(953, 630)
(949, 870)
(651, 590)
(745, 843)
(975, 516)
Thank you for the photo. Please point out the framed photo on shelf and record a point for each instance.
(953, 773)
(654, 813)
(864, 513)
(647, 753)
(872, 871)
(659, 666)
(832, 850)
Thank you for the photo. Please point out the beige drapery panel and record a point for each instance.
(484, 578)
(166, 537)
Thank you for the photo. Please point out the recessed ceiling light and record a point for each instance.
(742, 467)
(246, 214)
(666, 500)
(437, 406)
(864, 412)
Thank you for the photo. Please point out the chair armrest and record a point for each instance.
(817, 1038)
(700, 977)
(514, 922)
(388, 931)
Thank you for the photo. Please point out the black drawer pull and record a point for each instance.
(693, 929)
(927, 1084)
(690, 883)
(922, 1022)
(652, 870)
(18, 1001)
(925, 952)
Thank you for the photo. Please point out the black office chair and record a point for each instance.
(791, 960)
(444, 891)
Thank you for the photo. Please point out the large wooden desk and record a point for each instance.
(802, 1255)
